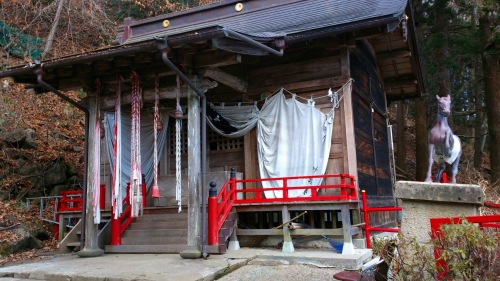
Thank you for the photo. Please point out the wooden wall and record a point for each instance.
(307, 73)
(371, 134)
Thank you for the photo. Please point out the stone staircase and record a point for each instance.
(158, 230)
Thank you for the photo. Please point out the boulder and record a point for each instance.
(21, 138)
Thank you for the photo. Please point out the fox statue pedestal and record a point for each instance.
(422, 201)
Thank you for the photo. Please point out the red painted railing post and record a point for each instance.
(144, 195)
(354, 190)
(285, 188)
(343, 191)
(115, 229)
(56, 225)
(212, 215)
(367, 221)
(232, 186)
(102, 198)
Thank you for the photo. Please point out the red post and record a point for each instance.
(444, 178)
(367, 221)
(212, 215)
(354, 193)
(285, 188)
(102, 198)
(232, 186)
(343, 191)
(56, 225)
(144, 195)
(115, 230)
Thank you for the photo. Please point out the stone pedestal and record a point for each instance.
(422, 201)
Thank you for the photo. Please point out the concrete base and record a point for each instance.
(233, 246)
(288, 247)
(348, 249)
(191, 253)
(422, 201)
(90, 252)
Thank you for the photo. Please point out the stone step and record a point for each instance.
(163, 210)
(153, 240)
(155, 233)
(163, 217)
(145, 225)
(146, 249)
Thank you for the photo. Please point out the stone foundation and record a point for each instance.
(422, 201)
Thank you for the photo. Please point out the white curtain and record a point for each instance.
(293, 138)
(240, 119)
(147, 140)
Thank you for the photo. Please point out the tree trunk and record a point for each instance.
(421, 139)
(479, 135)
(491, 70)
(440, 28)
(401, 153)
(50, 38)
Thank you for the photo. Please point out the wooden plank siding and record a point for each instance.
(372, 140)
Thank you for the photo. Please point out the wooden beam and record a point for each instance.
(227, 79)
(390, 55)
(303, 86)
(168, 92)
(395, 82)
(278, 232)
(215, 59)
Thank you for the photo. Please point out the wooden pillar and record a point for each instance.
(350, 162)
(91, 246)
(194, 175)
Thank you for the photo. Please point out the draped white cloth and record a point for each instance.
(147, 147)
(242, 118)
(293, 138)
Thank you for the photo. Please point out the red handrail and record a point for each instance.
(120, 224)
(71, 201)
(367, 226)
(219, 206)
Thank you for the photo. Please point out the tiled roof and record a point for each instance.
(278, 19)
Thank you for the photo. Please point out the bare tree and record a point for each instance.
(55, 23)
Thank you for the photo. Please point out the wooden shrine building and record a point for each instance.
(361, 53)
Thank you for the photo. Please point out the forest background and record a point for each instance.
(459, 46)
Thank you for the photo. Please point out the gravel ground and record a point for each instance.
(281, 272)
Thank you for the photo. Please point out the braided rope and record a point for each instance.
(135, 149)
(178, 126)
(116, 194)
(156, 192)
(96, 194)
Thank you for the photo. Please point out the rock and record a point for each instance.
(56, 174)
(28, 238)
(27, 243)
(19, 137)
(56, 191)
(77, 148)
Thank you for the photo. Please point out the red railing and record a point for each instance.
(367, 226)
(436, 223)
(120, 224)
(70, 201)
(220, 205)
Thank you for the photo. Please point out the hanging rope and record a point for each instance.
(178, 126)
(97, 157)
(135, 149)
(116, 191)
(155, 193)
